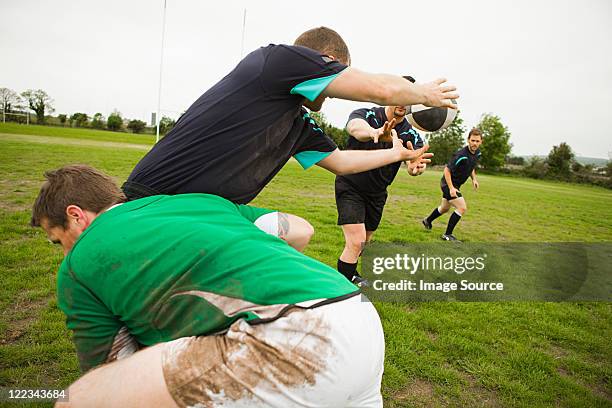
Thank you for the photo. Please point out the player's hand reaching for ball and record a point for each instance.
(409, 154)
(417, 166)
(475, 184)
(385, 132)
(439, 95)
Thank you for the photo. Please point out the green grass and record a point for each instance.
(437, 354)
(76, 133)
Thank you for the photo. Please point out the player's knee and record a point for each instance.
(442, 210)
(307, 231)
(355, 244)
(462, 210)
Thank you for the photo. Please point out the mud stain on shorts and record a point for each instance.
(207, 370)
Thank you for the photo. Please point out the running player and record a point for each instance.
(234, 139)
(360, 198)
(181, 301)
(461, 166)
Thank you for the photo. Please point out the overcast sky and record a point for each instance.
(544, 67)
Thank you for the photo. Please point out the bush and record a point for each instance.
(536, 168)
(136, 126)
(114, 122)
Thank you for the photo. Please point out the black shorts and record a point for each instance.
(355, 207)
(446, 192)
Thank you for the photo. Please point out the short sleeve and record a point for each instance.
(412, 136)
(298, 71)
(315, 146)
(252, 213)
(366, 114)
(94, 327)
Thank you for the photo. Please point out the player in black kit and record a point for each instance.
(461, 166)
(360, 198)
(238, 135)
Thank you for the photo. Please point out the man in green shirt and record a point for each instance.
(223, 314)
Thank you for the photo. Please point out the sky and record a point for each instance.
(543, 67)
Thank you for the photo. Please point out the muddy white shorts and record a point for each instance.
(329, 356)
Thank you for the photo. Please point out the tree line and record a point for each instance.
(15, 105)
(560, 164)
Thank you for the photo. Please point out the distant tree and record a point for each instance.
(609, 169)
(79, 119)
(577, 167)
(39, 102)
(495, 142)
(98, 121)
(114, 121)
(166, 124)
(559, 161)
(516, 160)
(9, 100)
(536, 168)
(62, 118)
(444, 143)
(339, 136)
(136, 126)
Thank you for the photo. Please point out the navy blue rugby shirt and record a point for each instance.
(461, 165)
(235, 138)
(377, 180)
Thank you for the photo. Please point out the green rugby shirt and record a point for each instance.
(166, 267)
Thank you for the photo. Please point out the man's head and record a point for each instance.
(70, 200)
(327, 42)
(474, 139)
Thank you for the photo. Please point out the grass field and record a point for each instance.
(437, 354)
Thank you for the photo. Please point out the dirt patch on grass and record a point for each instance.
(475, 394)
(419, 393)
(16, 195)
(28, 311)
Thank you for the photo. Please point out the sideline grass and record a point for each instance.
(438, 354)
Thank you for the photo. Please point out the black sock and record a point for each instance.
(434, 214)
(347, 269)
(454, 219)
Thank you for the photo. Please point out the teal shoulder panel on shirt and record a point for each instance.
(312, 88)
(309, 158)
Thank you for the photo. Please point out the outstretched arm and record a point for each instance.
(341, 162)
(474, 181)
(385, 89)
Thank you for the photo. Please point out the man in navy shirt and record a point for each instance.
(361, 197)
(461, 166)
(235, 138)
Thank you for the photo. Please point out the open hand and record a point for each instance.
(409, 154)
(384, 133)
(438, 95)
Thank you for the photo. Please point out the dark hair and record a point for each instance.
(475, 132)
(76, 184)
(326, 41)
